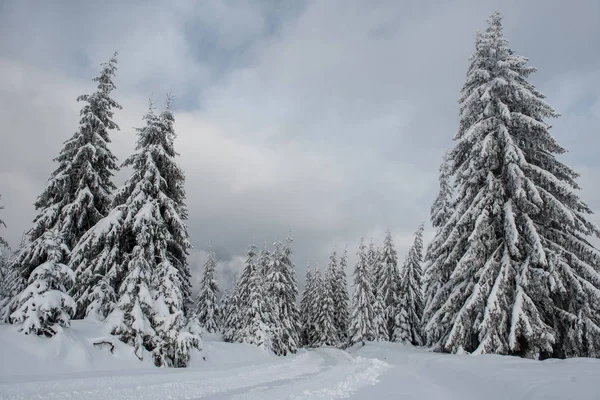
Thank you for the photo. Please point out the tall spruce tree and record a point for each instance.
(388, 282)
(437, 268)
(243, 294)
(410, 304)
(207, 305)
(361, 326)
(376, 272)
(324, 311)
(232, 316)
(78, 192)
(341, 298)
(259, 326)
(525, 279)
(307, 304)
(178, 243)
(130, 252)
(283, 290)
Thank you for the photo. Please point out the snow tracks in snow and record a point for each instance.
(323, 373)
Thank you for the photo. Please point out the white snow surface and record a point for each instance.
(68, 366)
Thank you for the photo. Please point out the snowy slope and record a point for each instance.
(68, 367)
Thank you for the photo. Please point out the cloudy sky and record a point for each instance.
(328, 118)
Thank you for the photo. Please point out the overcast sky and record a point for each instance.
(325, 117)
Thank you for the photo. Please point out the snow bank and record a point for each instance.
(72, 352)
(421, 374)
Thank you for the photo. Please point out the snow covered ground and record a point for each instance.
(69, 367)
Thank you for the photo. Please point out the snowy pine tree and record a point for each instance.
(44, 305)
(410, 305)
(327, 304)
(232, 317)
(376, 272)
(264, 262)
(78, 192)
(325, 332)
(178, 242)
(283, 290)
(525, 280)
(341, 298)
(437, 268)
(307, 304)
(12, 283)
(207, 305)
(361, 326)
(258, 323)
(388, 282)
(135, 251)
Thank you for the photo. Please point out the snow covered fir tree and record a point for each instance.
(207, 307)
(361, 325)
(78, 192)
(44, 306)
(513, 270)
(409, 309)
(131, 265)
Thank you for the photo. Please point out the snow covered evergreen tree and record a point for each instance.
(178, 242)
(376, 272)
(437, 268)
(361, 326)
(224, 308)
(232, 316)
(341, 298)
(131, 251)
(12, 283)
(410, 304)
(44, 305)
(307, 304)
(388, 282)
(259, 325)
(207, 305)
(525, 279)
(283, 290)
(78, 192)
(325, 332)
(264, 262)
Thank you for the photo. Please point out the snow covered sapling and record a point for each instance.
(410, 305)
(44, 305)
(207, 305)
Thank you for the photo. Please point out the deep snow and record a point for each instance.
(69, 367)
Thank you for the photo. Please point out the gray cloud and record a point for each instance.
(327, 118)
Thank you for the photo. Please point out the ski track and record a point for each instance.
(324, 373)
